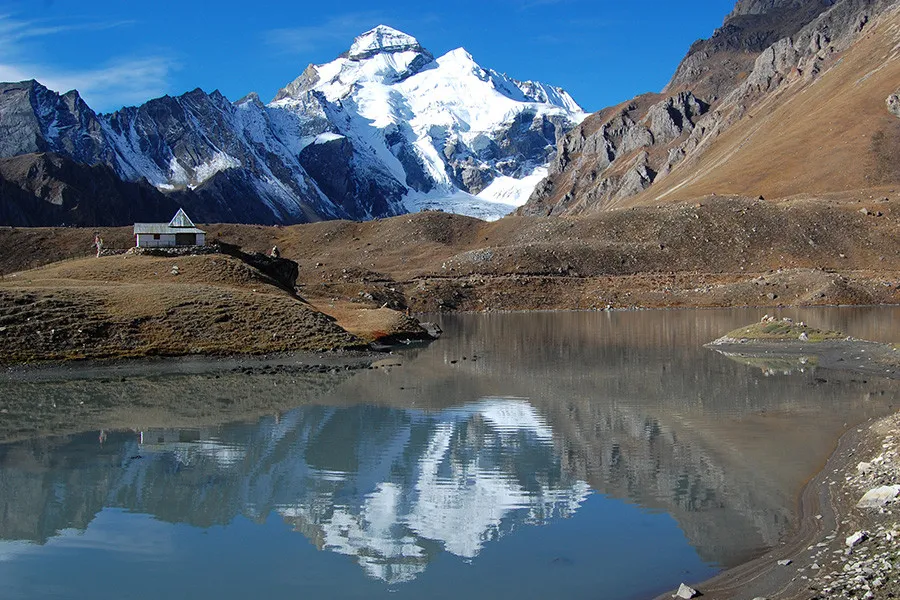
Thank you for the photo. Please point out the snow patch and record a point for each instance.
(511, 191)
(324, 138)
(460, 203)
(219, 162)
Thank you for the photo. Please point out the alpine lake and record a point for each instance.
(538, 455)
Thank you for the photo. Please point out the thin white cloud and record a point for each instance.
(13, 31)
(308, 38)
(109, 86)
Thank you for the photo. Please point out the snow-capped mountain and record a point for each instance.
(384, 129)
(456, 135)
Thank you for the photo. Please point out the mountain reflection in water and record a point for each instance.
(390, 487)
(507, 422)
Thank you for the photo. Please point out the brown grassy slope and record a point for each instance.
(136, 306)
(25, 248)
(716, 235)
(833, 134)
(720, 252)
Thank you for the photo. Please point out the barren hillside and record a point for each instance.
(786, 99)
(138, 306)
(721, 251)
(834, 133)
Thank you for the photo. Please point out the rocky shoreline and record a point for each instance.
(845, 544)
(839, 549)
(868, 564)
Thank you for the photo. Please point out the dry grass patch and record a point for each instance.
(137, 306)
(783, 330)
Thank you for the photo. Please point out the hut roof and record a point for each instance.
(180, 223)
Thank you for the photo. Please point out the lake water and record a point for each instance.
(547, 455)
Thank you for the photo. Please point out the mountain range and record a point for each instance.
(384, 129)
(786, 98)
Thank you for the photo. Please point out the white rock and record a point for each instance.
(863, 468)
(686, 592)
(878, 497)
(856, 538)
(785, 562)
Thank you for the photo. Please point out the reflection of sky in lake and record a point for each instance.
(621, 457)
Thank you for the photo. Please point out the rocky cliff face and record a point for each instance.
(384, 129)
(715, 66)
(40, 189)
(763, 48)
(35, 119)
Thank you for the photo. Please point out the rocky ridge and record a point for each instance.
(762, 49)
(49, 188)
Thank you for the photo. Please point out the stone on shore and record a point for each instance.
(878, 497)
(856, 539)
(432, 329)
(686, 592)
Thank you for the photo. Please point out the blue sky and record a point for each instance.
(118, 52)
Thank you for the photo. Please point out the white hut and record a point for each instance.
(179, 232)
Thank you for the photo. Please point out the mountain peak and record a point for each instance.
(382, 40)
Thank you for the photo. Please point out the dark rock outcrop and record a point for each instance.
(47, 189)
(283, 272)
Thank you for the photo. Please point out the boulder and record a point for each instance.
(878, 497)
(686, 592)
(893, 104)
(432, 329)
(856, 539)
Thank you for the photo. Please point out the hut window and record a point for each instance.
(155, 236)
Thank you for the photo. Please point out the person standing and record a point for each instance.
(98, 244)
